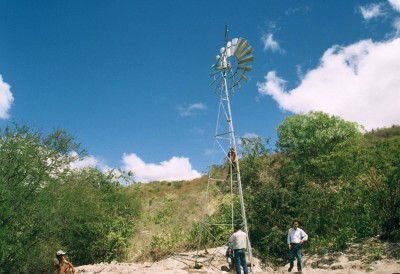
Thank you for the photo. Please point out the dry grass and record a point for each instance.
(167, 205)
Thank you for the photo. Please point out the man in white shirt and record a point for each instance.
(239, 241)
(296, 237)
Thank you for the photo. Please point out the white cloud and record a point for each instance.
(188, 110)
(6, 99)
(395, 4)
(360, 82)
(177, 168)
(271, 44)
(371, 11)
(88, 162)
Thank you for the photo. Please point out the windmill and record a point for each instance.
(224, 179)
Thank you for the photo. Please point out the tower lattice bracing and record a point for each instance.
(224, 193)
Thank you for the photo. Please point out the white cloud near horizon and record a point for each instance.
(91, 161)
(177, 168)
(6, 99)
(271, 44)
(359, 82)
(188, 110)
(395, 4)
(86, 162)
(371, 11)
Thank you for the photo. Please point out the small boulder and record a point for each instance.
(370, 269)
(337, 266)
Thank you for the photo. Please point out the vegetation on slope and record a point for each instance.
(45, 206)
(342, 184)
(170, 209)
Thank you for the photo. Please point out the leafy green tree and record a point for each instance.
(46, 206)
(29, 162)
(254, 160)
(382, 184)
(319, 146)
(313, 177)
(267, 203)
(321, 158)
(96, 216)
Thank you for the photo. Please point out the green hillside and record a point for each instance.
(168, 210)
(341, 183)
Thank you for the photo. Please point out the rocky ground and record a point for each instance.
(370, 257)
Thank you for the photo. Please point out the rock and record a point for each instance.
(370, 269)
(324, 266)
(337, 266)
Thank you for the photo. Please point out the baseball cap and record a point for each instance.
(60, 252)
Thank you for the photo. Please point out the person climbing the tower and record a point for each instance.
(239, 241)
(231, 161)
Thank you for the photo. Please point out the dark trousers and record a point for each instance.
(240, 260)
(295, 251)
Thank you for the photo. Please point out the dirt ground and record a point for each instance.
(214, 262)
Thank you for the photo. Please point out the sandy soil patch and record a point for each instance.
(214, 262)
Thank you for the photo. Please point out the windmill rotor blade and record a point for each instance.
(245, 68)
(228, 73)
(233, 45)
(244, 53)
(231, 86)
(232, 72)
(237, 78)
(242, 44)
(243, 47)
(246, 60)
(242, 76)
(239, 44)
(231, 82)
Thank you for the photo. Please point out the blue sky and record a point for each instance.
(130, 79)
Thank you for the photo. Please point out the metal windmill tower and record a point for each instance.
(224, 173)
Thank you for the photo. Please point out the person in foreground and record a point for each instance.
(295, 239)
(61, 265)
(239, 241)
